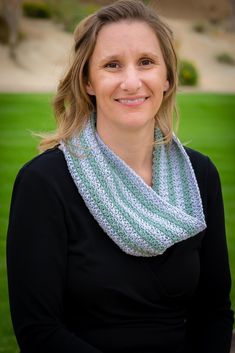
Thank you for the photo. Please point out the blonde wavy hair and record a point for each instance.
(73, 105)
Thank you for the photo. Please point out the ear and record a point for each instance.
(166, 86)
(90, 89)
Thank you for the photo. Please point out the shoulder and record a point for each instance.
(202, 164)
(46, 183)
(206, 174)
(49, 160)
(49, 167)
(195, 155)
(45, 180)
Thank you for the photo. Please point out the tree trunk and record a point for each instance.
(233, 12)
(12, 14)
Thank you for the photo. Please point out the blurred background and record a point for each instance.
(36, 37)
(35, 48)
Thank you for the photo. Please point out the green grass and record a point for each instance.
(19, 114)
(207, 123)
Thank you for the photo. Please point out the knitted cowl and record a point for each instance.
(141, 220)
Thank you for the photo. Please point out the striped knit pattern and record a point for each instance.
(141, 220)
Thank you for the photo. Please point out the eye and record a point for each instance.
(112, 65)
(146, 62)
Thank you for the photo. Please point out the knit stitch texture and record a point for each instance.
(141, 220)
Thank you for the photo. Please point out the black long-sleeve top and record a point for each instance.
(72, 290)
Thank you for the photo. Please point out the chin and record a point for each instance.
(137, 122)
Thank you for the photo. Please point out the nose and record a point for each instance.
(131, 80)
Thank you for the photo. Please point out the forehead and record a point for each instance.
(114, 38)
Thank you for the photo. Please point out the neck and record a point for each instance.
(134, 147)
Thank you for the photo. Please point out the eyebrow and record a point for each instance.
(142, 55)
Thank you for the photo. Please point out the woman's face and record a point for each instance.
(127, 75)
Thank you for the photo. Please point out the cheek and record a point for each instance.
(157, 80)
(106, 86)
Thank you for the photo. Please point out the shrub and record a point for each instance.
(188, 74)
(4, 31)
(225, 58)
(200, 27)
(36, 9)
(81, 12)
(71, 12)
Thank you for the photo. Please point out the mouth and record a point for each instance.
(132, 101)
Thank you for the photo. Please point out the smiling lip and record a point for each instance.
(134, 101)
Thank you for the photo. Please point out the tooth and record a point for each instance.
(128, 101)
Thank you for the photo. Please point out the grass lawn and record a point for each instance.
(207, 124)
(19, 114)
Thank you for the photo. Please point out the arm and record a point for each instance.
(36, 261)
(210, 321)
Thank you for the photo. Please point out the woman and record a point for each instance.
(116, 239)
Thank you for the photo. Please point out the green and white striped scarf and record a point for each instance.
(141, 220)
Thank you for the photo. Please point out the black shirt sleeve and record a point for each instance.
(210, 320)
(36, 259)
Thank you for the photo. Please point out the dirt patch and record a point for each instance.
(41, 58)
(214, 10)
(202, 49)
